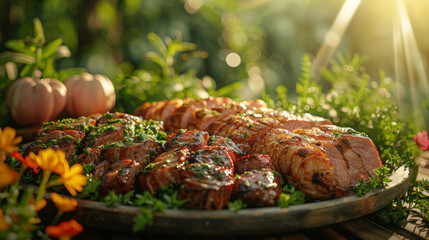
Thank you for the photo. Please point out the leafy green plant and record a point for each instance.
(164, 77)
(290, 196)
(236, 205)
(37, 56)
(112, 199)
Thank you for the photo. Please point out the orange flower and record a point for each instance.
(73, 179)
(64, 204)
(8, 141)
(39, 205)
(51, 160)
(65, 230)
(32, 222)
(4, 225)
(28, 161)
(7, 176)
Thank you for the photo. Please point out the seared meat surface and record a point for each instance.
(66, 140)
(216, 155)
(164, 170)
(257, 188)
(231, 151)
(253, 162)
(120, 177)
(305, 149)
(226, 142)
(142, 153)
(191, 139)
(206, 186)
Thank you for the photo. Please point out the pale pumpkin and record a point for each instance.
(35, 101)
(89, 94)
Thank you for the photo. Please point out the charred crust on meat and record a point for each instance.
(340, 148)
(302, 152)
(345, 142)
(316, 178)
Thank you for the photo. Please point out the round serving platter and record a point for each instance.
(246, 221)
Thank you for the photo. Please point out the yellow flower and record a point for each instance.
(4, 225)
(64, 204)
(8, 141)
(51, 160)
(73, 179)
(7, 176)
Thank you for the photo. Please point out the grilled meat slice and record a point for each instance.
(192, 139)
(257, 188)
(287, 120)
(225, 142)
(189, 113)
(164, 170)
(243, 131)
(216, 155)
(101, 169)
(78, 124)
(120, 177)
(355, 144)
(347, 171)
(90, 156)
(206, 186)
(143, 152)
(106, 134)
(108, 118)
(348, 153)
(253, 162)
(65, 140)
(182, 117)
(302, 164)
(159, 111)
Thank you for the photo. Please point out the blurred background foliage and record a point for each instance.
(255, 45)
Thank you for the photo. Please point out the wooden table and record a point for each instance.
(361, 228)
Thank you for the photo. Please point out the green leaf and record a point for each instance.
(50, 49)
(49, 69)
(38, 30)
(111, 199)
(236, 205)
(156, 58)
(19, 46)
(28, 70)
(290, 196)
(227, 90)
(90, 191)
(158, 43)
(178, 46)
(142, 220)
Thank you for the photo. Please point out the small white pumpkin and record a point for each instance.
(89, 94)
(35, 101)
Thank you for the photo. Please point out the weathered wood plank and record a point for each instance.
(366, 229)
